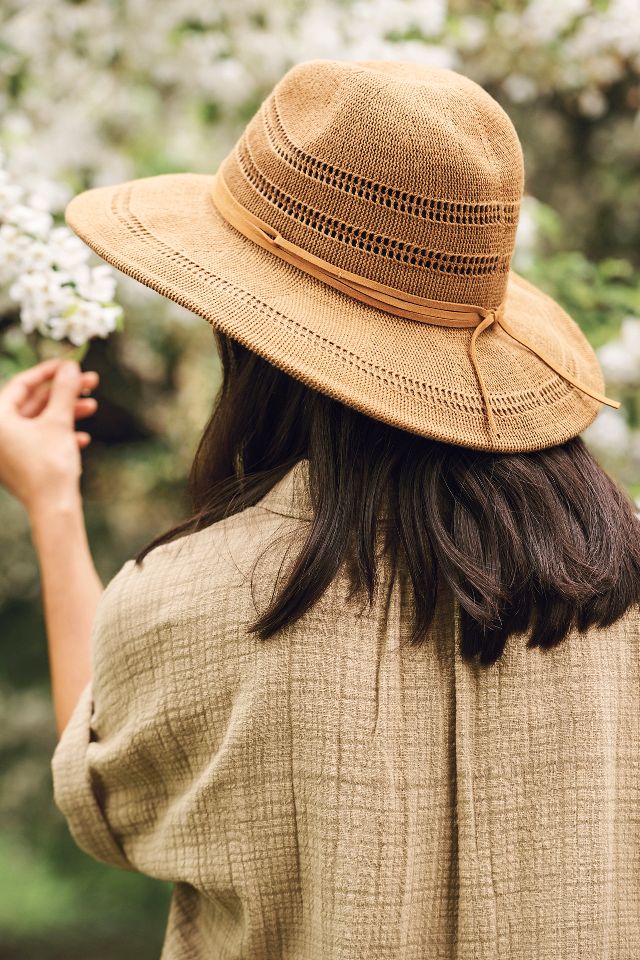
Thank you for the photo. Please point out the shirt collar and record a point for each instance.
(290, 496)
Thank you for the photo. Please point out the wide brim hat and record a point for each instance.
(408, 178)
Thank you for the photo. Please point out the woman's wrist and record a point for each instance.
(71, 589)
(53, 512)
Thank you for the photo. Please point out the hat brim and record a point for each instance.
(166, 232)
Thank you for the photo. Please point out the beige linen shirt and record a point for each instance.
(331, 794)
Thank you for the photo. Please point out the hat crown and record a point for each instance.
(405, 174)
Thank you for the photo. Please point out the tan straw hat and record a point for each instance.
(359, 237)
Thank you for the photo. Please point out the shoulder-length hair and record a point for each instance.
(541, 542)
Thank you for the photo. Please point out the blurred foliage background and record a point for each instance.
(97, 91)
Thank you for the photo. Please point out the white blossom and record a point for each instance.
(526, 234)
(10, 193)
(592, 102)
(36, 223)
(519, 87)
(609, 434)
(46, 269)
(620, 358)
(546, 20)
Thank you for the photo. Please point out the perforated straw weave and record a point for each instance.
(405, 175)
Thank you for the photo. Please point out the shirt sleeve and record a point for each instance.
(141, 743)
(76, 792)
(96, 739)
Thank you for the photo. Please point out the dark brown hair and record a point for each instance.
(540, 542)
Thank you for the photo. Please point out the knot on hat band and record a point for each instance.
(389, 299)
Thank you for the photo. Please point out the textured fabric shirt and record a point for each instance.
(332, 793)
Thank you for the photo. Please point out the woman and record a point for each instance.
(379, 696)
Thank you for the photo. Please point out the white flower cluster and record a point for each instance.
(45, 270)
(620, 358)
(564, 46)
(142, 77)
(611, 433)
(137, 80)
(527, 234)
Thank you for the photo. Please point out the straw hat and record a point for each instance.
(359, 237)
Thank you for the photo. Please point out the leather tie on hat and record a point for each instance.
(388, 299)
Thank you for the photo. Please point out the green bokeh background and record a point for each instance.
(95, 66)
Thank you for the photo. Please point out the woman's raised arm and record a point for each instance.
(40, 464)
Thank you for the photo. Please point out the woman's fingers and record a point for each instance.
(62, 397)
(16, 391)
(39, 373)
(36, 401)
(53, 388)
(85, 407)
(90, 380)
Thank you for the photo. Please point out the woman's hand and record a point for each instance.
(39, 446)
